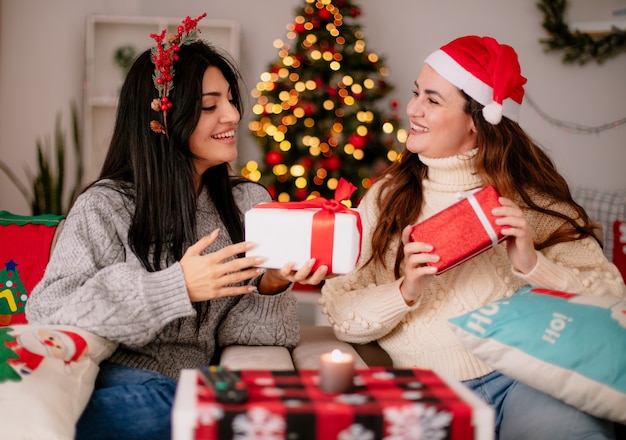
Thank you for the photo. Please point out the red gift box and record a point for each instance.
(462, 230)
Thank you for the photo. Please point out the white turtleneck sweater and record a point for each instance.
(367, 305)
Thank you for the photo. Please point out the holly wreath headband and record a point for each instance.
(163, 56)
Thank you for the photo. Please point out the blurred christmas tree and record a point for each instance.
(6, 355)
(318, 108)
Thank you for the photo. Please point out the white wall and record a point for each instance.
(42, 55)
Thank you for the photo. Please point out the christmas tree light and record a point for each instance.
(317, 108)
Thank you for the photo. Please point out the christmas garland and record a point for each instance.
(578, 46)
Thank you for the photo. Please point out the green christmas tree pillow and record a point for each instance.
(47, 374)
(25, 243)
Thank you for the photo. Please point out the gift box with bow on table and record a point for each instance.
(385, 403)
(462, 230)
(326, 230)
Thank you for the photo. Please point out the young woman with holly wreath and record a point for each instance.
(151, 255)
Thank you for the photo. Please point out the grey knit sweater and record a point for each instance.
(94, 281)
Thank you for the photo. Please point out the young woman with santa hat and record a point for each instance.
(465, 135)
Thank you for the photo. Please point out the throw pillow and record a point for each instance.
(567, 345)
(47, 374)
(25, 243)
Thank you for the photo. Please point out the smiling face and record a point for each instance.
(439, 125)
(213, 139)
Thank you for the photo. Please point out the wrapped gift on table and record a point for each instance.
(384, 403)
(462, 230)
(326, 230)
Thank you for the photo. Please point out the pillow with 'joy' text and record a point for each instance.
(567, 345)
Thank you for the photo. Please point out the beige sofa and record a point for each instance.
(603, 207)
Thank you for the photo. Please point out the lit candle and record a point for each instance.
(336, 372)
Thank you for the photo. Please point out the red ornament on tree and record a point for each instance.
(301, 194)
(324, 14)
(308, 108)
(358, 141)
(332, 163)
(306, 162)
(273, 158)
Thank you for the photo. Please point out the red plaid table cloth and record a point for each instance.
(385, 403)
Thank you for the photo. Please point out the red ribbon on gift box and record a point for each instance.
(323, 227)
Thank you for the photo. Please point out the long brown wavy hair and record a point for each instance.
(507, 158)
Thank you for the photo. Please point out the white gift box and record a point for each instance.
(284, 235)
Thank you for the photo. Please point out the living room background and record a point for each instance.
(42, 56)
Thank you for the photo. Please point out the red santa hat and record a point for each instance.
(75, 345)
(486, 70)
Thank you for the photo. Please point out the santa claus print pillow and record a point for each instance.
(47, 374)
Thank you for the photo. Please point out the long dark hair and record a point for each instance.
(507, 158)
(157, 170)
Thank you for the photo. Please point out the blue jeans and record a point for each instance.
(128, 403)
(524, 413)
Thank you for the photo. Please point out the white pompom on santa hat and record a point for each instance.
(487, 71)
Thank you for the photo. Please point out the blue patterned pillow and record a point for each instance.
(570, 346)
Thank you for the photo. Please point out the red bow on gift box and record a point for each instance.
(323, 227)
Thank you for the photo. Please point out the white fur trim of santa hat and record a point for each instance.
(478, 64)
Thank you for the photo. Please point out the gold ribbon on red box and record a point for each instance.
(323, 227)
